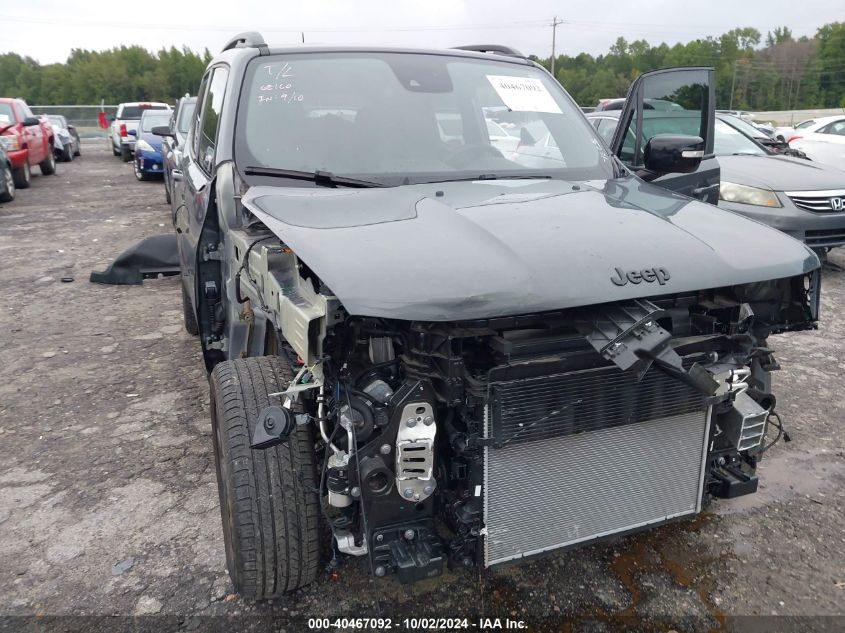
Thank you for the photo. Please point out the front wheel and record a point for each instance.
(268, 497)
(125, 153)
(48, 165)
(7, 184)
(23, 176)
(139, 174)
(67, 154)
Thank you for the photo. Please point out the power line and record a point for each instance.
(230, 28)
(539, 23)
(555, 23)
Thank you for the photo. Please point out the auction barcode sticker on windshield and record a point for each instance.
(524, 94)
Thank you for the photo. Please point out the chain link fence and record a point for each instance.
(86, 118)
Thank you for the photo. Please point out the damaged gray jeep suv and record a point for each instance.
(446, 324)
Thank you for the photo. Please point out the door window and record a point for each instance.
(208, 122)
(6, 115)
(194, 135)
(606, 128)
(837, 128)
(675, 102)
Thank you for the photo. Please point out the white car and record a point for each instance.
(823, 140)
(501, 138)
(124, 126)
(788, 131)
(740, 114)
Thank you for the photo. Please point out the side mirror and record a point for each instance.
(163, 130)
(132, 132)
(673, 154)
(30, 121)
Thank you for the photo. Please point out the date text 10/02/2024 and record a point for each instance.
(417, 624)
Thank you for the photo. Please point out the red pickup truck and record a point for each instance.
(27, 141)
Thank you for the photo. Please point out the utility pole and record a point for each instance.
(555, 24)
(733, 85)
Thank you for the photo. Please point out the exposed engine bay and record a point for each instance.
(486, 441)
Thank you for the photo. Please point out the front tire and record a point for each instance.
(23, 176)
(48, 165)
(125, 154)
(67, 154)
(268, 498)
(7, 184)
(140, 175)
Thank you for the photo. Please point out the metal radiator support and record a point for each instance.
(415, 452)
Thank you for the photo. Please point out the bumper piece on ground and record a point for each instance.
(149, 258)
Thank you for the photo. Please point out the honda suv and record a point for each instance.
(452, 352)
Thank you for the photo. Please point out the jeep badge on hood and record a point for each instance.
(648, 275)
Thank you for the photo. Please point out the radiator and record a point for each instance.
(587, 454)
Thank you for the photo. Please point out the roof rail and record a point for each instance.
(249, 39)
(492, 48)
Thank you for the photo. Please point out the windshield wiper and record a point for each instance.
(489, 177)
(321, 178)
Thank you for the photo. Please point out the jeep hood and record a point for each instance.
(469, 250)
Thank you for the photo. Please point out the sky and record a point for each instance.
(47, 30)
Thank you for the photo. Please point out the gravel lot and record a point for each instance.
(108, 502)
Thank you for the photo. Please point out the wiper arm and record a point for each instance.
(321, 178)
(490, 177)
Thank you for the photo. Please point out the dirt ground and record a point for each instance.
(108, 502)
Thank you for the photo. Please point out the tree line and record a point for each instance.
(775, 72)
(128, 73)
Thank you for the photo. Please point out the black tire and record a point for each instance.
(7, 184)
(48, 165)
(140, 175)
(188, 315)
(268, 498)
(78, 143)
(125, 154)
(67, 154)
(115, 150)
(23, 176)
